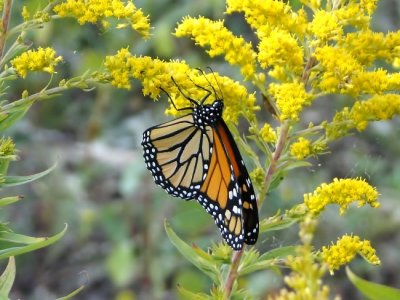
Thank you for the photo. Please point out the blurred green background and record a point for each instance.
(116, 242)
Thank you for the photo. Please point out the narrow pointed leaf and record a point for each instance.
(206, 266)
(12, 237)
(371, 290)
(9, 200)
(277, 223)
(72, 294)
(18, 180)
(7, 278)
(190, 295)
(278, 253)
(43, 242)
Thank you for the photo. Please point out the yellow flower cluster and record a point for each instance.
(42, 59)
(346, 249)
(214, 34)
(378, 107)
(290, 99)
(268, 134)
(325, 26)
(94, 11)
(367, 46)
(339, 67)
(156, 74)
(301, 149)
(281, 51)
(266, 15)
(342, 192)
(305, 278)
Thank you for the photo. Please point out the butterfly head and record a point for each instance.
(208, 114)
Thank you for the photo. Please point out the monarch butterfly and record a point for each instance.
(196, 157)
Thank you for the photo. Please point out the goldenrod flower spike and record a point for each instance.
(42, 59)
(97, 11)
(221, 41)
(344, 251)
(341, 192)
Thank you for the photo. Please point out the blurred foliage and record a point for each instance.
(116, 243)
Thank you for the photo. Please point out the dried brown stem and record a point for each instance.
(4, 24)
(232, 273)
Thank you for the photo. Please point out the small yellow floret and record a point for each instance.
(301, 149)
(268, 134)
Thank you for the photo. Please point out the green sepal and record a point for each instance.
(18, 180)
(7, 279)
(29, 243)
(371, 290)
(207, 266)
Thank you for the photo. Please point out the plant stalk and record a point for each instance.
(4, 24)
(232, 275)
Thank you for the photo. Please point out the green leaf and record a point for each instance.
(278, 253)
(207, 266)
(40, 243)
(13, 112)
(278, 222)
(72, 294)
(190, 295)
(18, 180)
(12, 237)
(268, 260)
(371, 290)
(9, 200)
(7, 278)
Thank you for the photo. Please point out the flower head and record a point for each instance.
(290, 99)
(281, 51)
(42, 59)
(346, 249)
(221, 41)
(95, 11)
(268, 134)
(342, 192)
(301, 149)
(178, 80)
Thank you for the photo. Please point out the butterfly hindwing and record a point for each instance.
(248, 201)
(220, 196)
(177, 154)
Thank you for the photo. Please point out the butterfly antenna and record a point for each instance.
(216, 81)
(172, 101)
(194, 102)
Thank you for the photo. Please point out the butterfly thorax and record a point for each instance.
(208, 114)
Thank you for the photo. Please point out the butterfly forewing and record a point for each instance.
(177, 153)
